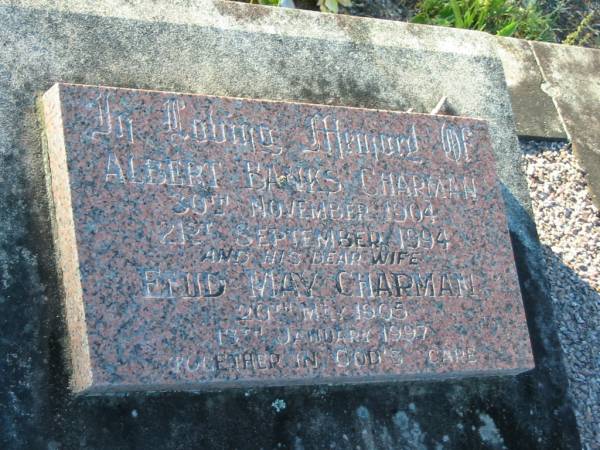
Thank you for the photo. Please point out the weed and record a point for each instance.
(332, 5)
(500, 17)
(266, 2)
(581, 35)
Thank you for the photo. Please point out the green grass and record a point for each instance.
(499, 17)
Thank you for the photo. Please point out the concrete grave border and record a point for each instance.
(95, 42)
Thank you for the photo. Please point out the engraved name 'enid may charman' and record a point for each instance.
(213, 241)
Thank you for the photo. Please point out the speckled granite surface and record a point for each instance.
(225, 241)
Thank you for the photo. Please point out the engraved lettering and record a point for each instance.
(165, 284)
(123, 129)
(271, 284)
(329, 137)
(454, 142)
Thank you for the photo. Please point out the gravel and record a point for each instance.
(569, 228)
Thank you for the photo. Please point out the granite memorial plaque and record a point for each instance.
(209, 241)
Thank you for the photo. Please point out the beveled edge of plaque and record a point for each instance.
(103, 389)
(61, 211)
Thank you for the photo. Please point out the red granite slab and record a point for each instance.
(210, 241)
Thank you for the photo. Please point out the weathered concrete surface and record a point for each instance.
(572, 78)
(535, 113)
(261, 53)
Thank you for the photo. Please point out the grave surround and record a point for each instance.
(240, 50)
(212, 241)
